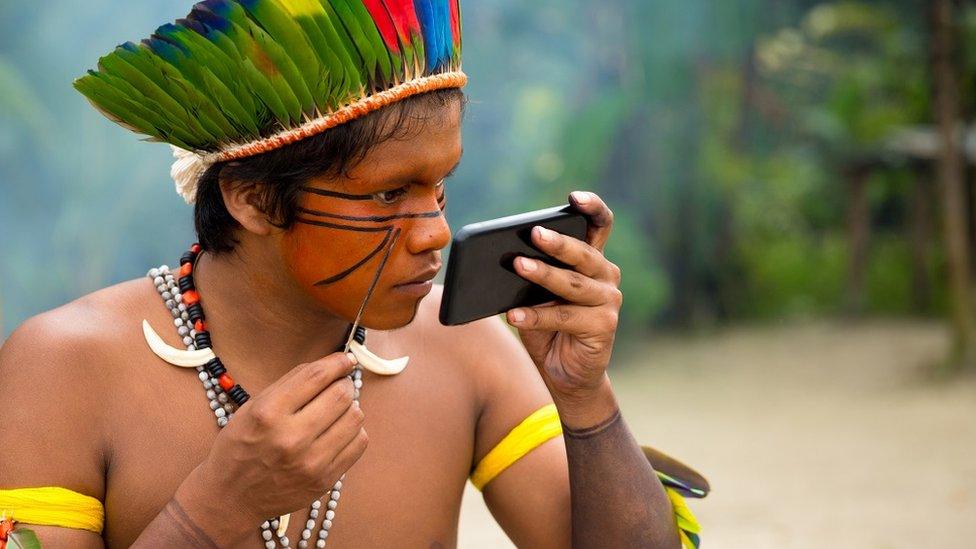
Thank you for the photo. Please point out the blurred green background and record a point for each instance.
(793, 185)
(749, 150)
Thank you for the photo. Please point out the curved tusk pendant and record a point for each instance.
(375, 364)
(283, 524)
(176, 357)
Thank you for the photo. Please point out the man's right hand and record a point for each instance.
(285, 447)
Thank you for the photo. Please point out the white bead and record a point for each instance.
(181, 306)
(326, 524)
(174, 312)
(357, 383)
(193, 333)
(221, 422)
(178, 322)
(320, 543)
(335, 495)
(178, 297)
(222, 398)
(166, 295)
(314, 513)
(265, 525)
(187, 340)
(206, 380)
(185, 316)
(158, 280)
(274, 524)
(316, 504)
(266, 534)
(211, 394)
(306, 534)
(302, 544)
(153, 273)
(183, 331)
(220, 412)
(330, 515)
(228, 407)
(323, 534)
(204, 376)
(338, 485)
(269, 544)
(284, 541)
(332, 504)
(164, 268)
(214, 405)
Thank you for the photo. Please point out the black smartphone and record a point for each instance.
(481, 280)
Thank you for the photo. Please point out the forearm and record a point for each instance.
(196, 519)
(617, 500)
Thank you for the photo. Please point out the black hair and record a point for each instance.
(280, 174)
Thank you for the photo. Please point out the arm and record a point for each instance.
(616, 497)
(51, 433)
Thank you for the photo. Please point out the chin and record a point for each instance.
(396, 315)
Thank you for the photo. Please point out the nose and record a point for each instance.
(428, 234)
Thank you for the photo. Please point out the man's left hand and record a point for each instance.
(571, 340)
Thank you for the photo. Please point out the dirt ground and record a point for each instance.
(816, 435)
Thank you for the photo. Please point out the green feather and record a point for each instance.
(370, 38)
(291, 42)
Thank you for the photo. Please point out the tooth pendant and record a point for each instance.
(172, 355)
(381, 366)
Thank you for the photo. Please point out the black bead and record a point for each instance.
(360, 336)
(238, 394)
(188, 257)
(186, 284)
(215, 367)
(195, 311)
(203, 340)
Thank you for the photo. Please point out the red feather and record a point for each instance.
(384, 23)
(456, 23)
(404, 18)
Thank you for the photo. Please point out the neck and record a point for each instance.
(260, 325)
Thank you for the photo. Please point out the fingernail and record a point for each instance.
(544, 234)
(528, 265)
(518, 315)
(581, 197)
(352, 358)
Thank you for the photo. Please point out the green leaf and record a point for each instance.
(22, 538)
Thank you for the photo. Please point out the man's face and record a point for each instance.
(346, 224)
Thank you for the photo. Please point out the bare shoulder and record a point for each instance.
(57, 370)
(507, 382)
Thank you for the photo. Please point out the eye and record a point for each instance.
(390, 197)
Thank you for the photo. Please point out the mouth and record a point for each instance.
(423, 277)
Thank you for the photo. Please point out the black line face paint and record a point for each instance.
(358, 224)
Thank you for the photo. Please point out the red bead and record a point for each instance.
(195, 248)
(186, 269)
(190, 297)
(200, 326)
(226, 382)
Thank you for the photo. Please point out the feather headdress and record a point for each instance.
(237, 78)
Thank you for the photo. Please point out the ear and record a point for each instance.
(243, 202)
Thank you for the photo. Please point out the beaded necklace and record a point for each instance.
(225, 395)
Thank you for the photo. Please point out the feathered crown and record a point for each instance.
(237, 78)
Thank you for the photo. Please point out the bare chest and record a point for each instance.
(405, 491)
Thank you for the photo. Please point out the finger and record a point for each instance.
(326, 408)
(350, 454)
(569, 319)
(569, 285)
(599, 214)
(306, 381)
(583, 257)
(340, 433)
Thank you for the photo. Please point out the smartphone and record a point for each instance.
(481, 280)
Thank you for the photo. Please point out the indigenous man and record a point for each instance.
(314, 138)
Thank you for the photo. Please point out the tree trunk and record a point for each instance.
(859, 235)
(920, 236)
(951, 180)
